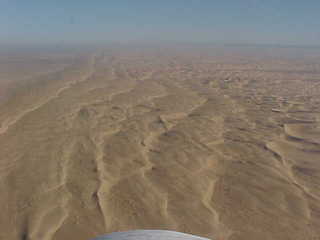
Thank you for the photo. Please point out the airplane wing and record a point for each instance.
(150, 235)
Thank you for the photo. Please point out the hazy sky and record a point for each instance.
(226, 21)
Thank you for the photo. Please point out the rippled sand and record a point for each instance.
(223, 144)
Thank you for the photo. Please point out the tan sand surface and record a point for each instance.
(219, 143)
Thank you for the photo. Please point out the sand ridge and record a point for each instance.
(221, 146)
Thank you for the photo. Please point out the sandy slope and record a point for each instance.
(225, 147)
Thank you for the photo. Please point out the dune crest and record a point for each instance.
(219, 144)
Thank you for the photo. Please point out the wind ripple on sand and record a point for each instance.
(190, 146)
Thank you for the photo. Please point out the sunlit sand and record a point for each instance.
(224, 144)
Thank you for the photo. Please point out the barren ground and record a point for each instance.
(219, 143)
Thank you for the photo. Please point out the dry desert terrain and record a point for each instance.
(222, 143)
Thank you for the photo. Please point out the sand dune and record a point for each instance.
(223, 146)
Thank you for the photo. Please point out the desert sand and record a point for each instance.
(223, 143)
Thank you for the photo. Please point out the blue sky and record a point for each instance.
(227, 21)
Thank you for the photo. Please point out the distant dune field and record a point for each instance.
(219, 143)
(18, 68)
